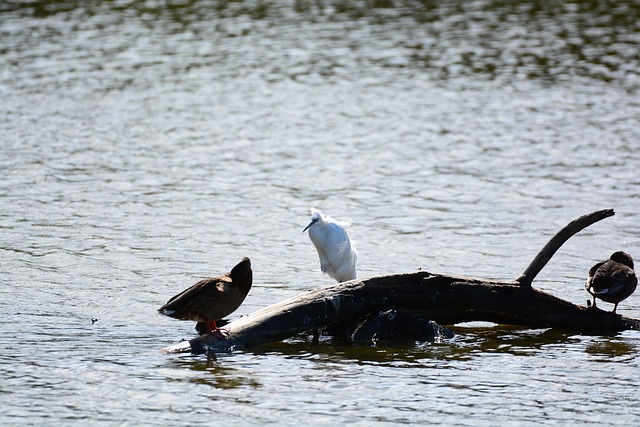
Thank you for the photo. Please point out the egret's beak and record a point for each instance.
(313, 221)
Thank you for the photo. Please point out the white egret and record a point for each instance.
(337, 253)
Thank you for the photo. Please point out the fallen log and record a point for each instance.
(420, 297)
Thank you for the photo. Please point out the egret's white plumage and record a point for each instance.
(337, 253)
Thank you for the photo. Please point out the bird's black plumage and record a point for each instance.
(212, 299)
(612, 280)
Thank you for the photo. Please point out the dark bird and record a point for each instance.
(612, 280)
(212, 299)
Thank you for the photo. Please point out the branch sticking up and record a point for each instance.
(557, 241)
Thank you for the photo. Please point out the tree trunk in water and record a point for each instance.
(416, 298)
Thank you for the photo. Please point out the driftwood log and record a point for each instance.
(418, 298)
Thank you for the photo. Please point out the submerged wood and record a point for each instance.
(444, 299)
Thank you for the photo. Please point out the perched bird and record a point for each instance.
(612, 280)
(337, 253)
(212, 299)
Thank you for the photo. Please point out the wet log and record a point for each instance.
(419, 296)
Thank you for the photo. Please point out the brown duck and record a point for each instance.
(212, 299)
(612, 280)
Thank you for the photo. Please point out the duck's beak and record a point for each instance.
(313, 221)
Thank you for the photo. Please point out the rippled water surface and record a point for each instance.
(145, 145)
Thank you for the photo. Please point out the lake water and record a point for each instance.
(148, 144)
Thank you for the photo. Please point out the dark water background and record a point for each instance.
(147, 144)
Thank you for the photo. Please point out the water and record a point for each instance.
(146, 145)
